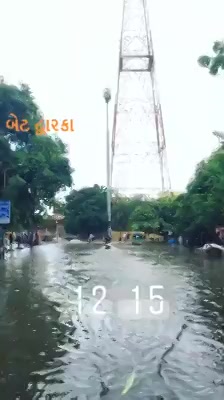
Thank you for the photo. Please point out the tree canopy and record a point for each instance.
(214, 63)
(32, 168)
(85, 210)
(194, 214)
(201, 208)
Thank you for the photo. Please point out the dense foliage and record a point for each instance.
(85, 211)
(32, 168)
(201, 208)
(215, 63)
(195, 214)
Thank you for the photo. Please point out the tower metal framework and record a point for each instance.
(139, 161)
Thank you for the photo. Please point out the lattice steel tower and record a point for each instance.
(139, 163)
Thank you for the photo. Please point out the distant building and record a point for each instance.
(168, 194)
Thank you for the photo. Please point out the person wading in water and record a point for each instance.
(10, 239)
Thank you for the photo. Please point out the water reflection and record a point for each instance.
(48, 350)
(28, 330)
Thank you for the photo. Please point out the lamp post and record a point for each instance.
(5, 170)
(4, 175)
(107, 98)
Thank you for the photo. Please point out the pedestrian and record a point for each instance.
(37, 238)
(19, 240)
(180, 240)
(107, 239)
(91, 238)
(11, 240)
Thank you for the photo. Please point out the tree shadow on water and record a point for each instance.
(28, 333)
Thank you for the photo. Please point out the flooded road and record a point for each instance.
(71, 325)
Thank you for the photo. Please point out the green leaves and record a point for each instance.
(204, 61)
(19, 101)
(35, 168)
(202, 207)
(122, 209)
(85, 211)
(218, 47)
(154, 216)
(214, 63)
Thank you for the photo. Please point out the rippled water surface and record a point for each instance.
(54, 347)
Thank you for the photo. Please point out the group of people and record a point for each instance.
(6, 241)
(8, 238)
(107, 238)
(124, 237)
(31, 238)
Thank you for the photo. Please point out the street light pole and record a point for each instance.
(107, 98)
(4, 184)
(5, 176)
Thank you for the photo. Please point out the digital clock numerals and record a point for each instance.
(96, 289)
(104, 292)
(153, 305)
(152, 297)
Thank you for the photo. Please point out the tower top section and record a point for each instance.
(136, 53)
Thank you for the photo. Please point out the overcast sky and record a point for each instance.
(67, 51)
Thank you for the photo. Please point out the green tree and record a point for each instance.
(38, 176)
(32, 168)
(86, 211)
(145, 217)
(166, 209)
(201, 208)
(122, 208)
(216, 62)
(58, 206)
(20, 102)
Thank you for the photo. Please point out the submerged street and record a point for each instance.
(52, 347)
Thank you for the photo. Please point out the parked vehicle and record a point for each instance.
(138, 238)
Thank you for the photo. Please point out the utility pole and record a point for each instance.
(4, 175)
(107, 98)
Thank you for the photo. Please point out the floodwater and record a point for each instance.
(108, 344)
